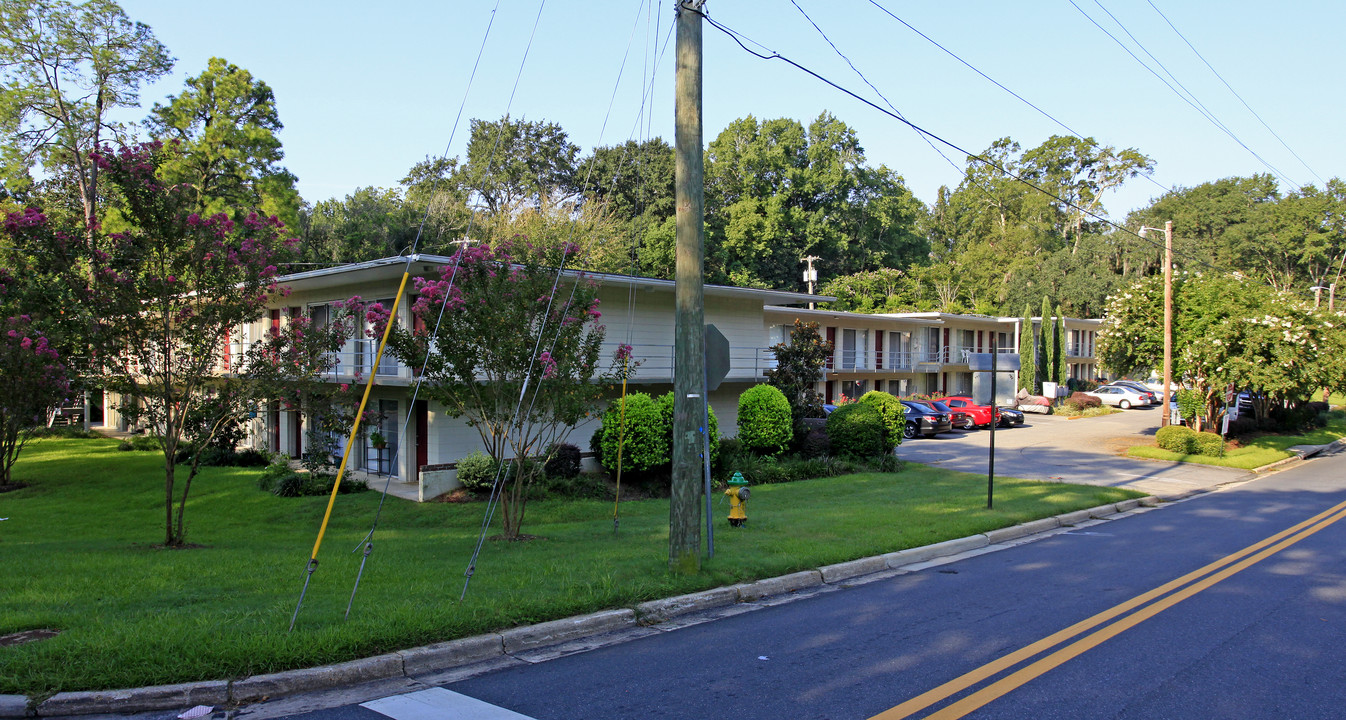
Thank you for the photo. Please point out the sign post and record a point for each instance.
(987, 362)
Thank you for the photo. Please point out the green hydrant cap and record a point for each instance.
(737, 479)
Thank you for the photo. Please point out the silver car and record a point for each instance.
(1122, 397)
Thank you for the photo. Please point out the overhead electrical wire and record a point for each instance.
(1000, 85)
(773, 55)
(1190, 101)
(1235, 93)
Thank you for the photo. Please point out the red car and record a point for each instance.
(977, 415)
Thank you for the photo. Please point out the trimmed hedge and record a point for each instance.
(1083, 401)
(765, 423)
(1209, 444)
(646, 445)
(892, 412)
(666, 414)
(477, 471)
(857, 431)
(1176, 438)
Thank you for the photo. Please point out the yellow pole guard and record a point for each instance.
(355, 427)
(621, 440)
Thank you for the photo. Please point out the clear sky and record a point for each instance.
(366, 90)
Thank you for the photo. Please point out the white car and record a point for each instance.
(1121, 397)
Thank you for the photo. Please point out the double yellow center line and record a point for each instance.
(1150, 604)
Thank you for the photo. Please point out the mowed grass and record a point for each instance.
(82, 556)
(1261, 451)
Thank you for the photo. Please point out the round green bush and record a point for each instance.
(893, 413)
(646, 445)
(666, 415)
(1176, 438)
(477, 471)
(1209, 444)
(856, 430)
(764, 421)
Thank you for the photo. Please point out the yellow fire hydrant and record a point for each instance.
(738, 500)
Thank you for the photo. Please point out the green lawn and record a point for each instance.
(80, 555)
(1262, 451)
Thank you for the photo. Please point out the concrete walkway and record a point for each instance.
(1087, 451)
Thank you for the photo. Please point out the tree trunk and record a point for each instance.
(169, 540)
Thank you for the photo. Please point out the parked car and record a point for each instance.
(1121, 397)
(924, 420)
(1138, 387)
(957, 419)
(975, 415)
(1009, 417)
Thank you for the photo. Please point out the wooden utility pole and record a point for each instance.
(689, 375)
(1168, 322)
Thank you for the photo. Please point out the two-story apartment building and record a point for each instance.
(901, 353)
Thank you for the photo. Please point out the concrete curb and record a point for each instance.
(432, 658)
(555, 632)
(13, 706)
(854, 568)
(457, 653)
(293, 682)
(655, 611)
(748, 592)
(158, 697)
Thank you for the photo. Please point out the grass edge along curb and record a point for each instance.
(465, 651)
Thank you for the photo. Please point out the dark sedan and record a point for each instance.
(924, 420)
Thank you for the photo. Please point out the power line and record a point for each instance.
(1235, 93)
(1195, 106)
(993, 81)
(734, 35)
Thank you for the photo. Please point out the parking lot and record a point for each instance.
(1086, 451)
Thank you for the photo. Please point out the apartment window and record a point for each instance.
(381, 460)
(848, 354)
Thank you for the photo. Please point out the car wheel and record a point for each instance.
(969, 423)
(909, 432)
(1125, 404)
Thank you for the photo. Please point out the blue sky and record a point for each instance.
(366, 90)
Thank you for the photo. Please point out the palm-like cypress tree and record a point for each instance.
(1045, 346)
(1059, 348)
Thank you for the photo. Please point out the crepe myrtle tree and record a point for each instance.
(1228, 332)
(167, 292)
(32, 380)
(511, 346)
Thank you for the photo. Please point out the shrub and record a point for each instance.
(665, 402)
(564, 461)
(886, 462)
(476, 472)
(141, 443)
(1176, 438)
(266, 481)
(856, 430)
(816, 444)
(892, 412)
(1083, 401)
(69, 432)
(764, 421)
(576, 486)
(1209, 444)
(645, 445)
(1242, 425)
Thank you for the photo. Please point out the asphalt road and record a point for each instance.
(1054, 447)
(1144, 616)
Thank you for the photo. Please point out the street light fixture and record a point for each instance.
(1168, 318)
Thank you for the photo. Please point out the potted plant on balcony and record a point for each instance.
(377, 440)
